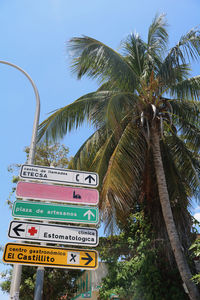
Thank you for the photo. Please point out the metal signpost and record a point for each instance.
(50, 256)
(55, 212)
(17, 270)
(49, 192)
(62, 176)
(53, 233)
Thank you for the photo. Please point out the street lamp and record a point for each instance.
(17, 269)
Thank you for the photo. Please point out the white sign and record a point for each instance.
(64, 176)
(53, 233)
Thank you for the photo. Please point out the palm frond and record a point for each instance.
(157, 34)
(95, 59)
(73, 115)
(118, 107)
(85, 155)
(102, 156)
(123, 177)
(190, 44)
(185, 112)
(176, 187)
(134, 49)
(170, 74)
(186, 50)
(187, 47)
(191, 134)
(187, 89)
(187, 165)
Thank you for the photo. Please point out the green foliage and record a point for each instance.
(196, 255)
(196, 247)
(57, 283)
(51, 154)
(136, 268)
(6, 277)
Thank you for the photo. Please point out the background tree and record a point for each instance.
(57, 282)
(136, 267)
(145, 112)
(196, 256)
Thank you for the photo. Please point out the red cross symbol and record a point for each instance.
(32, 231)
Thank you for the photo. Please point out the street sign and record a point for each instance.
(50, 256)
(53, 233)
(38, 191)
(55, 212)
(64, 176)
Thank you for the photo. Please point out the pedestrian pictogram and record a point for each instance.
(73, 256)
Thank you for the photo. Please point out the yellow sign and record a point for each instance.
(50, 256)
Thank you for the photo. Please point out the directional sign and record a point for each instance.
(55, 212)
(50, 256)
(64, 176)
(38, 191)
(53, 233)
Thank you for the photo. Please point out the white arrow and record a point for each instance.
(89, 214)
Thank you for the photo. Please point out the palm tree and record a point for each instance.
(146, 119)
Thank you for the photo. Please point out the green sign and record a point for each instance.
(55, 212)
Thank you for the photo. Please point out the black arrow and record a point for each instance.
(16, 229)
(88, 258)
(90, 178)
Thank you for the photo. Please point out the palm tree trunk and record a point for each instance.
(182, 264)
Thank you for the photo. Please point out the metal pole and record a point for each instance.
(39, 283)
(17, 269)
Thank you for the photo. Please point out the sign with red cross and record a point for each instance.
(53, 233)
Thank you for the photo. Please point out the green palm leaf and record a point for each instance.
(97, 60)
(73, 115)
(187, 49)
(123, 180)
(186, 89)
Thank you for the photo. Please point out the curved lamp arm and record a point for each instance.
(37, 112)
(16, 277)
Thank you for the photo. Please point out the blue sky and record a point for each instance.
(34, 36)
